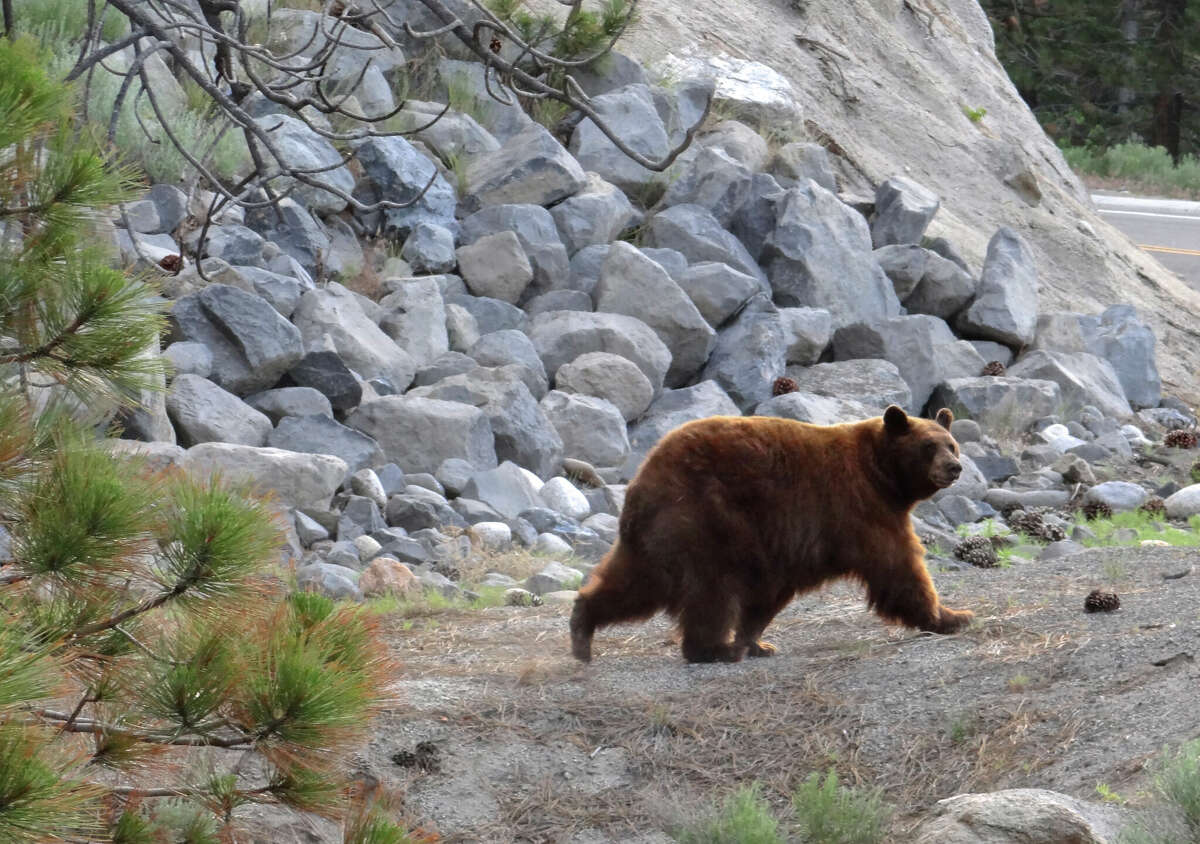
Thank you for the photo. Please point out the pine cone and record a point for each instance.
(994, 368)
(1154, 505)
(1099, 601)
(978, 551)
(171, 263)
(1093, 510)
(784, 385)
(1180, 438)
(1033, 523)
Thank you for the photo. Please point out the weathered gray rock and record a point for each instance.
(749, 355)
(903, 210)
(1082, 378)
(559, 300)
(1005, 404)
(319, 434)
(632, 284)
(797, 161)
(538, 236)
(299, 480)
(1005, 308)
(819, 255)
(630, 113)
(1185, 503)
(874, 383)
(610, 377)
(1121, 496)
(290, 401)
(597, 214)
(1025, 815)
(560, 495)
(417, 434)
(189, 358)
(807, 333)
(304, 149)
(922, 347)
(462, 329)
(755, 220)
(555, 577)
(234, 245)
(591, 429)
(452, 135)
(925, 282)
(451, 363)
(698, 235)
(670, 410)
(429, 248)
(506, 489)
(740, 142)
(521, 430)
(282, 291)
(757, 91)
(562, 336)
(333, 581)
(503, 120)
(170, 206)
(712, 179)
(395, 170)
(501, 348)
(335, 312)
(203, 412)
(420, 512)
(415, 318)
(718, 290)
(531, 167)
(329, 376)
(496, 266)
(489, 314)
(815, 409)
(298, 233)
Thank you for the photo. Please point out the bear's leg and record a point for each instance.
(615, 593)
(906, 594)
(707, 621)
(755, 618)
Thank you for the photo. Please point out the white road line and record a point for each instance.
(1191, 217)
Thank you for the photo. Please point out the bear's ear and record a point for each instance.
(895, 420)
(945, 417)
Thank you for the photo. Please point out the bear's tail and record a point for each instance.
(613, 594)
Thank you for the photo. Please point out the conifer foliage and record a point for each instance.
(153, 677)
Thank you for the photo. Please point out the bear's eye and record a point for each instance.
(930, 449)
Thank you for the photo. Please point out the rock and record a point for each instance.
(1004, 404)
(302, 148)
(591, 429)
(874, 383)
(751, 89)
(506, 489)
(299, 480)
(189, 358)
(559, 300)
(749, 355)
(333, 581)
(309, 530)
(538, 236)
(501, 348)
(755, 220)
(717, 290)
(451, 135)
(632, 284)
(234, 245)
(562, 336)
(203, 412)
(554, 577)
(444, 366)
(551, 545)
(740, 142)
(631, 115)
(462, 329)
(334, 311)
(521, 430)
(298, 233)
(1185, 503)
(595, 215)
(490, 314)
(360, 516)
(322, 435)
(925, 282)
(1062, 548)
(1005, 308)
(959, 510)
(1120, 496)
(713, 180)
(366, 482)
(992, 351)
(327, 375)
(496, 266)
(429, 248)
(1074, 470)
(922, 347)
(385, 576)
(806, 332)
(419, 433)
(170, 206)
(281, 291)
(395, 170)
(966, 431)
(903, 210)
(530, 168)
(419, 512)
(290, 401)
(814, 409)
(155, 456)
(1082, 378)
(415, 318)
(670, 410)
(503, 120)
(491, 536)
(1026, 499)
(1025, 815)
(819, 255)
(610, 377)
(561, 495)
(797, 161)
(695, 232)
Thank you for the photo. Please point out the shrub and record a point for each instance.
(830, 813)
(744, 818)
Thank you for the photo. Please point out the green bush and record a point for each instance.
(830, 813)
(744, 818)
(1137, 163)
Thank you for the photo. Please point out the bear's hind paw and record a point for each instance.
(952, 621)
(761, 648)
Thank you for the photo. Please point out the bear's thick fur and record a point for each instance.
(730, 517)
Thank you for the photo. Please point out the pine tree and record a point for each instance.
(153, 677)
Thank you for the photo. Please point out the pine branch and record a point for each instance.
(92, 726)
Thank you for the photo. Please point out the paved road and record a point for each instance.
(1169, 229)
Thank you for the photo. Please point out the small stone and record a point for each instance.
(386, 576)
(554, 577)
(548, 543)
(491, 536)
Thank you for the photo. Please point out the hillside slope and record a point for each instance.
(888, 90)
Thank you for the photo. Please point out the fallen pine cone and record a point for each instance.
(1098, 601)
(784, 385)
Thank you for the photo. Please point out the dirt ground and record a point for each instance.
(524, 744)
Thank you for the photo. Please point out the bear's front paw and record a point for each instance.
(951, 621)
(761, 649)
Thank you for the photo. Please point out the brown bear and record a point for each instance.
(729, 518)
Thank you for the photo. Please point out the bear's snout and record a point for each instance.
(947, 473)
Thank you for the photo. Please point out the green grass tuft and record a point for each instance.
(830, 813)
(744, 818)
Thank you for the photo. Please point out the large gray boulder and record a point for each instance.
(506, 489)
(632, 284)
(610, 377)
(742, 143)
(510, 346)
(251, 344)
(903, 210)
(750, 354)
(754, 221)
(1120, 496)
(298, 480)
(450, 134)
(531, 167)
(718, 290)
(1082, 378)
(415, 318)
(395, 170)
(693, 231)
(328, 375)
(924, 281)
(282, 291)
(319, 434)
(417, 434)
(522, 432)
(302, 237)
(202, 412)
(1007, 404)
(592, 429)
(1005, 308)
(799, 161)
(1185, 503)
(429, 249)
(562, 336)
(596, 214)
(303, 149)
(807, 332)
(712, 179)
(630, 113)
(874, 383)
(815, 409)
(1024, 815)
(496, 266)
(538, 235)
(819, 255)
(290, 401)
(335, 312)
(669, 411)
(922, 347)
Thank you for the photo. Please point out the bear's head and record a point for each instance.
(921, 454)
